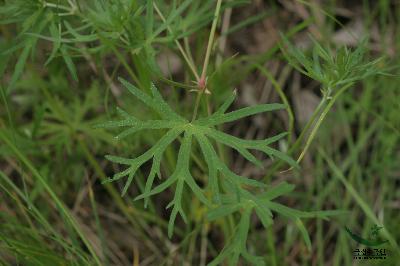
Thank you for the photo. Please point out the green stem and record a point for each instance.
(320, 116)
(185, 56)
(308, 125)
(321, 119)
(196, 105)
(282, 95)
(300, 138)
(100, 230)
(211, 39)
(202, 80)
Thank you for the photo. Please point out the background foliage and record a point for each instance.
(327, 69)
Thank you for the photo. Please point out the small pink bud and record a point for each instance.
(202, 83)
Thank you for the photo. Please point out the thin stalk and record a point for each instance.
(57, 6)
(311, 122)
(188, 50)
(188, 60)
(121, 58)
(202, 81)
(320, 120)
(211, 39)
(196, 105)
(226, 20)
(13, 134)
(282, 95)
(297, 143)
(203, 244)
(98, 224)
(177, 84)
(317, 118)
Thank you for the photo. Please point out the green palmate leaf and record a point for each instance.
(227, 189)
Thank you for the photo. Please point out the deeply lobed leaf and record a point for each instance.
(228, 198)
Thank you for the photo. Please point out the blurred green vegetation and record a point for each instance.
(59, 63)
